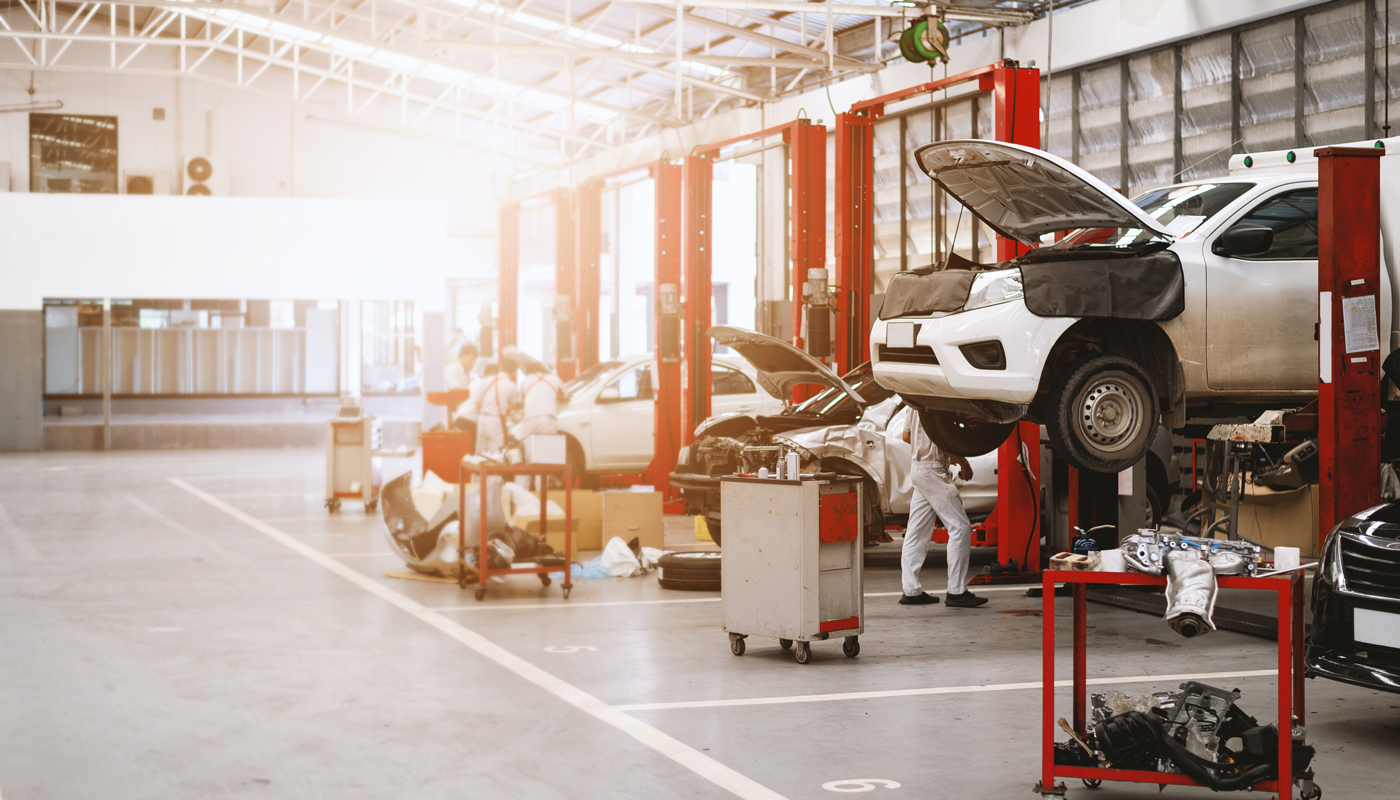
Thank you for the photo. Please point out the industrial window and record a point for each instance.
(728, 381)
(72, 154)
(1293, 216)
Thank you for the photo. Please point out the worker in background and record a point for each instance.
(460, 375)
(935, 498)
(541, 392)
(493, 397)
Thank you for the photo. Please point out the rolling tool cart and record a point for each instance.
(1288, 592)
(353, 441)
(484, 472)
(792, 561)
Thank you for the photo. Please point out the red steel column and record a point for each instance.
(807, 160)
(588, 214)
(855, 226)
(1016, 103)
(508, 276)
(697, 268)
(666, 383)
(565, 265)
(1348, 277)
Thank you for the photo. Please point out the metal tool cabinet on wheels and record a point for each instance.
(792, 561)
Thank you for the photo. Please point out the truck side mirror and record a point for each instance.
(1244, 239)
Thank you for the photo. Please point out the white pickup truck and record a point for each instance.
(1200, 296)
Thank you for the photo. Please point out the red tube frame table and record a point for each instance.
(1289, 588)
(507, 471)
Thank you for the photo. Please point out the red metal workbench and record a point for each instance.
(1289, 588)
(507, 471)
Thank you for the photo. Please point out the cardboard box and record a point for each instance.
(588, 513)
(1281, 519)
(629, 515)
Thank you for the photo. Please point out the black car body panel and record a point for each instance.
(1360, 569)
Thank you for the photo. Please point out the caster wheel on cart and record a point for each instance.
(544, 579)
(333, 505)
(803, 653)
(1092, 783)
(786, 644)
(567, 588)
(480, 594)
(736, 644)
(851, 646)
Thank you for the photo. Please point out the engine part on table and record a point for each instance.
(1187, 732)
(1075, 561)
(1113, 702)
(429, 545)
(1191, 565)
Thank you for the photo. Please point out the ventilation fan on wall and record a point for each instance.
(206, 175)
(146, 181)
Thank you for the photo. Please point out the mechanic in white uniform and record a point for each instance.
(934, 498)
(461, 374)
(493, 397)
(541, 392)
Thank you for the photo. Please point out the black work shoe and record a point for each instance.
(965, 600)
(920, 599)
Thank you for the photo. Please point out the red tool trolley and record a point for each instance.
(1289, 589)
(506, 472)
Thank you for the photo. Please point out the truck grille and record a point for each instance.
(918, 354)
(1371, 570)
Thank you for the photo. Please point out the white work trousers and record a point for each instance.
(490, 434)
(542, 423)
(935, 498)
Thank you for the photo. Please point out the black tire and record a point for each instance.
(851, 646)
(961, 435)
(786, 644)
(803, 653)
(712, 585)
(736, 645)
(708, 563)
(674, 574)
(1103, 414)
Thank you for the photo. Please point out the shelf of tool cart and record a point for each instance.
(1288, 587)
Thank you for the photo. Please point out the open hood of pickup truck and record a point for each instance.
(780, 365)
(1024, 194)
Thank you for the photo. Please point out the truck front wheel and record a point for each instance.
(1103, 414)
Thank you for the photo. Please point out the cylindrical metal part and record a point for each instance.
(819, 331)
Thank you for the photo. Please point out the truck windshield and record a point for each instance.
(1180, 209)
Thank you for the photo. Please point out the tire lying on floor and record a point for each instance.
(695, 572)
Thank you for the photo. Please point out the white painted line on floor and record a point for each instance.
(363, 555)
(269, 494)
(177, 527)
(994, 687)
(572, 604)
(688, 757)
(26, 548)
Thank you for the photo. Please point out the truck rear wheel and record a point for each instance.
(961, 435)
(1103, 414)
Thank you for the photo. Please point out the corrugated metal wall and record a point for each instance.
(1172, 113)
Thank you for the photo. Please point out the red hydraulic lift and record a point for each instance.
(807, 166)
(1348, 286)
(1016, 109)
(666, 382)
(588, 214)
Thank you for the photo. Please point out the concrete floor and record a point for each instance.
(194, 624)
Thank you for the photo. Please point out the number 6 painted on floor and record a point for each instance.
(856, 785)
(573, 648)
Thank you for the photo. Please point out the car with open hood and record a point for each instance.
(853, 426)
(1125, 312)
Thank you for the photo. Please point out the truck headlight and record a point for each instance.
(993, 288)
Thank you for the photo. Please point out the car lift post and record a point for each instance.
(565, 294)
(508, 282)
(666, 382)
(588, 214)
(1348, 287)
(696, 268)
(1016, 103)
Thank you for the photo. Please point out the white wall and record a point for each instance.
(121, 246)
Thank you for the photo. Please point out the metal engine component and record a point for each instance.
(1191, 565)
